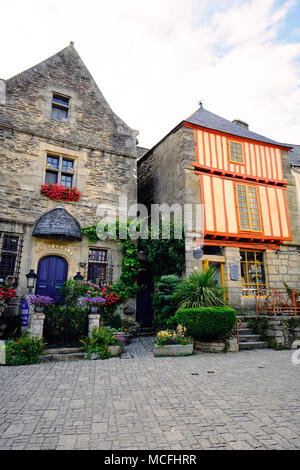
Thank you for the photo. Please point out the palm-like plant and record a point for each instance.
(200, 289)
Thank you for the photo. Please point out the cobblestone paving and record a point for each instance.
(251, 401)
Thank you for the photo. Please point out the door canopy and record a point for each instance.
(59, 224)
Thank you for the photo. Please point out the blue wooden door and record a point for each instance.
(52, 273)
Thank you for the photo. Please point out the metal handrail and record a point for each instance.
(238, 324)
(278, 301)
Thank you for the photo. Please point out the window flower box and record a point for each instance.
(57, 191)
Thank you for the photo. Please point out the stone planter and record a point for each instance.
(93, 309)
(126, 337)
(172, 350)
(116, 350)
(39, 309)
(210, 346)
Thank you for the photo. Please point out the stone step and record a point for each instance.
(63, 357)
(253, 345)
(245, 331)
(249, 338)
(147, 331)
(150, 333)
(244, 324)
(63, 351)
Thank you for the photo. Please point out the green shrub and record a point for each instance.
(199, 290)
(72, 290)
(163, 303)
(259, 325)
(10, 325)
(65, 324)
(99, 343)
(207, 323)
(116, 322)
(24, 350)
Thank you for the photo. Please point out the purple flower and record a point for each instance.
(40, 300)
(93, 300)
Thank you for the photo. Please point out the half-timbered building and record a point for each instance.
(245, 184)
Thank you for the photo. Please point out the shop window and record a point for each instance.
(253, 273)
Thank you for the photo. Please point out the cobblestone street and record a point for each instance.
(246, 400)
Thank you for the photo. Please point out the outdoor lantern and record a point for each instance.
(78, 277)
(31, 278)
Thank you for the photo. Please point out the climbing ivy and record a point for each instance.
(165, 256)
(131, 267)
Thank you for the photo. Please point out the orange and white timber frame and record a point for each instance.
(242, 189)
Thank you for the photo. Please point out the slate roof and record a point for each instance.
(294, 155)
(205, 118)
(57, 223)
(141, 151)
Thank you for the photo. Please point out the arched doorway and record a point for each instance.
(52, 273)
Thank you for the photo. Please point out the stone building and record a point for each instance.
(294, 156)
(248, 194)
(56, 127)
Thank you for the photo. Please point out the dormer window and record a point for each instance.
(60, 107)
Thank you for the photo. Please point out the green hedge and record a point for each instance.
(207, 323)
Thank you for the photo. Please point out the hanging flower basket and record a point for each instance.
(56, 191)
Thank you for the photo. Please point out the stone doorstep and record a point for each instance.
(172, 349)
(62, 357)
(63, 350)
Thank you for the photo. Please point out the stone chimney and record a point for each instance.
(2, 92)
(241, 123)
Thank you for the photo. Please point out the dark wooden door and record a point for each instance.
(52, 273)
(144, 314)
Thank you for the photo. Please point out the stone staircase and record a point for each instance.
(249, 340)
(146, 331)
(63, 354)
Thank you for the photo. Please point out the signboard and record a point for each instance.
(234, 271)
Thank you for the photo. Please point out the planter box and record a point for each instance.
(127, 337)
(172, 350)
(121, 334)
(210, 346)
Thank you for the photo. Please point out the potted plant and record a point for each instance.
(173, 343)
(93, 302)
(102, 345)
(40, 302)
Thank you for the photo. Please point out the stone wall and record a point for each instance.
(102, 146)
(91, 122)
(280, 331)
(165, 176)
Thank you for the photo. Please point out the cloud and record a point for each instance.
(155, 60)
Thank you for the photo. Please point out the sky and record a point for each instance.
(154, 61)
